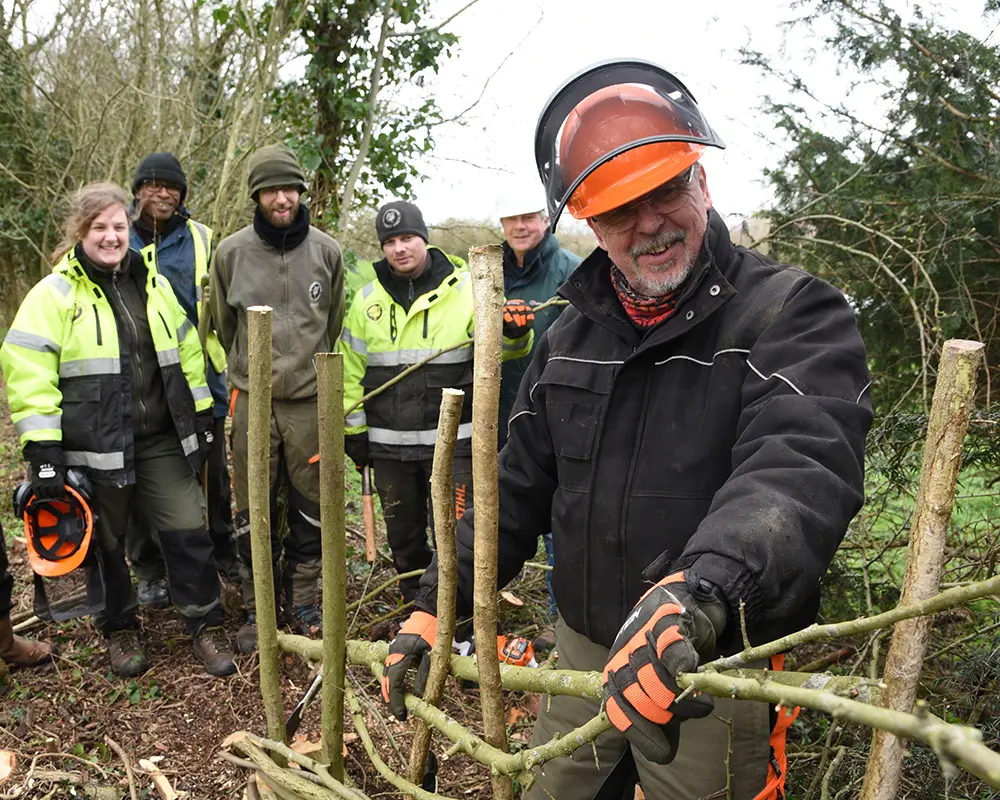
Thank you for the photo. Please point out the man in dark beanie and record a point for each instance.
(420, 303)
(183, 254)
(283, 262)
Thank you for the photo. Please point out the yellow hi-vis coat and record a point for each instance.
(63, 367)
(202, 235)
(380, 339)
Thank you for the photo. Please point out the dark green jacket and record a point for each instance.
(546, 268)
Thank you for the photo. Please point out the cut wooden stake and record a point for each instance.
(330, 377)
(925, 558)
(442, 473)
(259, 482)
(160, 781)
(486, 268)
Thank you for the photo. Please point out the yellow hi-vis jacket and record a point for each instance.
(63, 367)
(202, 235)
(381, 339)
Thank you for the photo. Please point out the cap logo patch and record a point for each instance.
(391, 217)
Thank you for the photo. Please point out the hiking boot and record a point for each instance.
(211, 645)
(246, 636)
(18, 652)
(127, 658)
(153, 594)
(308, 619)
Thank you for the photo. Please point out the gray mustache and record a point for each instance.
(661, 242)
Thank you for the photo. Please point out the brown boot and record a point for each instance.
(20, 652)
(211, 646)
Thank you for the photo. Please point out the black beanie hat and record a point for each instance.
(397, 218)
(160, 167)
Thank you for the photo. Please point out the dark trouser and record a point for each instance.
(698, 771)
(167, 497)
(294, 441)
(404, 489)
(143, 553)
(6, 579)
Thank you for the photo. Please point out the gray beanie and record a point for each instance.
(274, 165)
(398, 218)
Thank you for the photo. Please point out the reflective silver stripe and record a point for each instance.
(189, 444)
(466, 277)
(387, 436)
(182, 331)
(168, 357)
(89, 366)
(516, 344)
(367, 290)
(201, 393)
(32, 341)
(86, 458)
(400, 358)
(357, 344)
(59, 283)
(356, 419)
(38, 422)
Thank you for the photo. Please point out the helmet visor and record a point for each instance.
(604, 111)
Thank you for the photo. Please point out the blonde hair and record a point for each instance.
(84, 207)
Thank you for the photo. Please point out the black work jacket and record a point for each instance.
(728, 440)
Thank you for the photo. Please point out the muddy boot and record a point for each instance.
(153, 594)
(246, 636)
(211, 645)
(127, 657)
(18, 652)
(309, 620)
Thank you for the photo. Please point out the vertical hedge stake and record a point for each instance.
(259, 482)
(330, 376)
(486, 267)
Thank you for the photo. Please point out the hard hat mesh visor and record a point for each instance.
(608, 110)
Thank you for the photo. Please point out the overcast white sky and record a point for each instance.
(548, 40)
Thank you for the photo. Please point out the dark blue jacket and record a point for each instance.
(175, 261)
(546, 268)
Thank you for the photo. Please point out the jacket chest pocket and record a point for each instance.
(576, 394)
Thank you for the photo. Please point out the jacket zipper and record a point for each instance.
(426, 312)
(165, 326)
(97, 324)
(409, 292)
(134, 355)
(392, 323)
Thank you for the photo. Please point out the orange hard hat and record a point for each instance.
(614, 132)
(58, 533)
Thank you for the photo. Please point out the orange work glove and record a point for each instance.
(673, 622)
(413, 643)
(517, 319)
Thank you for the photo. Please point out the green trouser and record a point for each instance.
(167, 498)
(294, 441)
(697, 773)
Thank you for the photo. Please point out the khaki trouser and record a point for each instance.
(294, 441)
(697, 773)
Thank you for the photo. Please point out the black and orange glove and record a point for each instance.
(356, 447)
(674, 622)
(413, 643)
(517, 319)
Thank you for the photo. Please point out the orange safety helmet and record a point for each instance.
(614, 132)
(58, 532)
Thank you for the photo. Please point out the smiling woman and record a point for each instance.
(106, 385)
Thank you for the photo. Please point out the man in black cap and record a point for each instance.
(183, 253)
(281, 261)
(421, 303)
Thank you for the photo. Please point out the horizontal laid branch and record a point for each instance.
(572, 683)
(958, 744)
(835, 630)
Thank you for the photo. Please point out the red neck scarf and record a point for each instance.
(645, 312)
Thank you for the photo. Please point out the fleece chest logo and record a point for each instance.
(391, 217)
(315, 290)
(374, 311)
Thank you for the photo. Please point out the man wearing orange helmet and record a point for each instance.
(692, 428)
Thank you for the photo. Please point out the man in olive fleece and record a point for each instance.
(281, 261)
